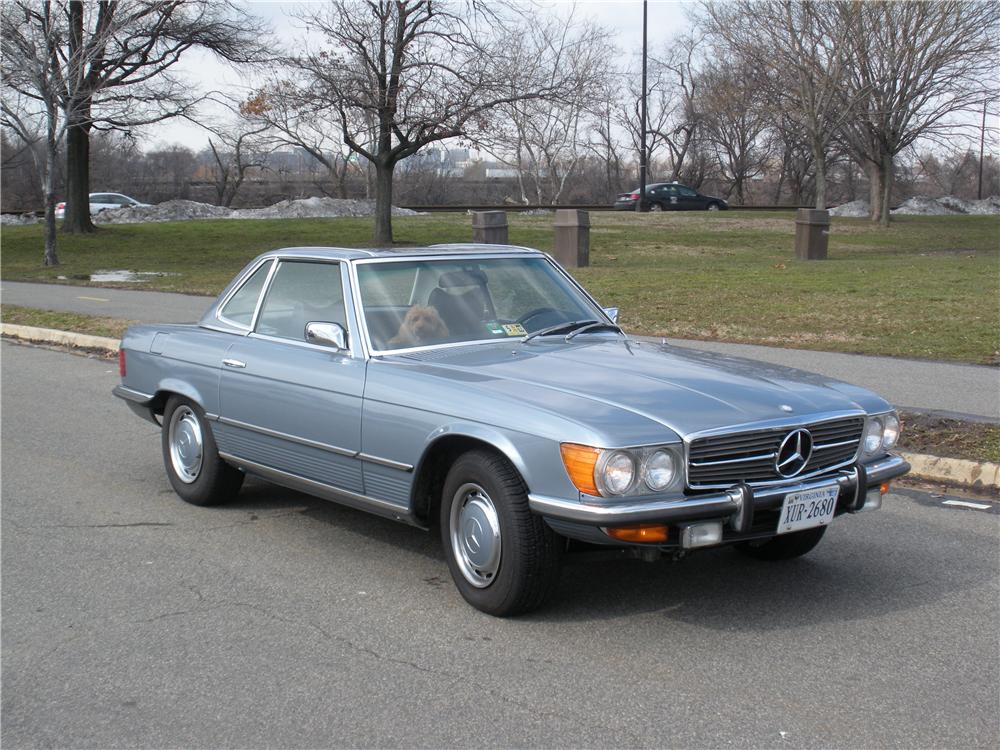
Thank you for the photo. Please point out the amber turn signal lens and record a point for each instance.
(884, 488)
(642, 533)
(580, 461)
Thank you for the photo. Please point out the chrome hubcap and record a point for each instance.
(475, 535)
(185, 441)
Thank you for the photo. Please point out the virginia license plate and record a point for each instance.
(804, 510)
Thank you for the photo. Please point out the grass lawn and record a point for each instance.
(925, 287)
(64, 321)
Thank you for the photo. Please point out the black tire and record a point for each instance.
(784, 547)
(713, 206)
(528, 552)
(212, 481)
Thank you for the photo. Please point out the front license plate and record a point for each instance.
(804, 510)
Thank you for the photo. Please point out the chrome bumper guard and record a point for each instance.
(736, 503)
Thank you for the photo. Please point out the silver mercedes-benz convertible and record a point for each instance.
(481, 390)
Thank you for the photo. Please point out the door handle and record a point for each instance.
(233, 363)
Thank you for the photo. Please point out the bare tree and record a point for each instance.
(32, 41)
(735, 123)
(545, 138)
(798, 54)
(114, 59)
(678, 73)
(296, 116)
(914, 65)
(419, 72)
(241, 144)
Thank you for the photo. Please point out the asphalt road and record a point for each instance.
(131, 619)
(970, 390)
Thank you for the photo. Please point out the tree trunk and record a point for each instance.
(819, 158)
(77, 109)
(78, 178)
(383, 204)
(51, 258)
(887, 176)
(875, 190)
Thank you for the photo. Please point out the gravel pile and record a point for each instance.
(303, 208)
(921, 205)
(858, 209)
(15, 220)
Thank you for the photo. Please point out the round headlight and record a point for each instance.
(873, 435)
(890, 433)
(658, 470)
(616, 472)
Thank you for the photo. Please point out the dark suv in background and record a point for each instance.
(671, 196)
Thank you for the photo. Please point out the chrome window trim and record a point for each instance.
(371, 351)
(781, 423)
(246, 277)
(344, 288)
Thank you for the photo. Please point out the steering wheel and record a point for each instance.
(537, 312)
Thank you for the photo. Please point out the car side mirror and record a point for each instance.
(612, 312)
(332, 335)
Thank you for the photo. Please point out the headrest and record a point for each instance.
(451, 279)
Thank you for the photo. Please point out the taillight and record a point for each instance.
(60, 205)
(121, 362)
(634, 196)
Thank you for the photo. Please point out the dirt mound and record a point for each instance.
(858, 209)
(175, 210)
(14, 220)
(302, 208)
(921, 205)
(315, 208)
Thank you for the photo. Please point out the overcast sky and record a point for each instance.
(624, 18)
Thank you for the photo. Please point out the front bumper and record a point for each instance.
(733, 503)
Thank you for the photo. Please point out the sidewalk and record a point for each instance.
(964, 390)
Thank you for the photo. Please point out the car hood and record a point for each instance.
(685, 390)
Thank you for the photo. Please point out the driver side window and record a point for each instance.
(301, 292)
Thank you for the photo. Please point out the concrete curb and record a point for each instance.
(53, 336)
(971, 474)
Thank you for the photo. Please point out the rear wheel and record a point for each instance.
(784, 547)
(191, 458)
(503, 558)
(657, 207)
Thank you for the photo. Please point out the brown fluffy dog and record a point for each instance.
(421, 325)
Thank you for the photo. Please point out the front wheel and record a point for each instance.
(714, 207)
(503, 558)
(191, 458)
(784, 547)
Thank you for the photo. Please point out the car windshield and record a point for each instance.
(431, 302)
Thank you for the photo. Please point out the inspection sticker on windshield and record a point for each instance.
(514, 329)
(804, 510)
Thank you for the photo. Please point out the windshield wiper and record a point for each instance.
(597, 324)
(558, 327)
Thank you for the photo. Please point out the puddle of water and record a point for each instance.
(126, 276)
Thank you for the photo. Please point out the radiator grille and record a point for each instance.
(724, 460)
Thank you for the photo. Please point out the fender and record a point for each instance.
(484, 433)
(181, 388)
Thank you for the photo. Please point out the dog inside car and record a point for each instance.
(422, 325)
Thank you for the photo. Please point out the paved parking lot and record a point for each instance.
(131, 619)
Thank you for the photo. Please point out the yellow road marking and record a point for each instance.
(95, 299)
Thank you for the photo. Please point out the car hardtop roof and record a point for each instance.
(353, 253)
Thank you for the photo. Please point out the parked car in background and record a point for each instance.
(671, 196)
(480, 391)
(101, 202)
